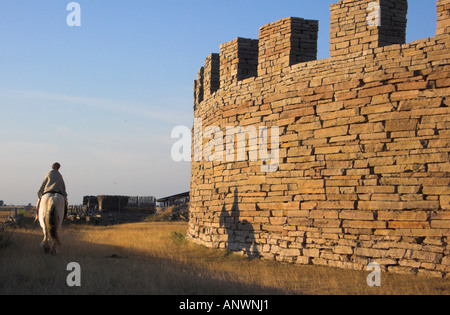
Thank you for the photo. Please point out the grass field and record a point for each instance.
(154, 258)
(4, 215)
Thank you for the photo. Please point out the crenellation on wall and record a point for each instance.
(287, 42)
(443, 17)
(393, 22)
(198, 87)
(211, 77)
(366, 24)
(364, 160)
(238, 60)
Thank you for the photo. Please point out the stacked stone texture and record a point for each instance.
(443, 17)
(238, 60)
(296, 41)
(350, 30)
(364, 145)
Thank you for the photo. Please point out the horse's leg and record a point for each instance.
(44, 243)
(53, 247)
(55, 244)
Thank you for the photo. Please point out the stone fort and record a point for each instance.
(363, 143)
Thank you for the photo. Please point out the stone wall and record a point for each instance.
(363, 172)
(356, 26)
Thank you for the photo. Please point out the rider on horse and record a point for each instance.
(53, 183)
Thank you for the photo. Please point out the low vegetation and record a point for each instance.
(5, 238)
(156, 258)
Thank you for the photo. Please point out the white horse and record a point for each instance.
(51, 215)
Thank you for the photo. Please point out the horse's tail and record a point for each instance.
(50, 222)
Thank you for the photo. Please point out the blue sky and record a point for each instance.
(103, 98)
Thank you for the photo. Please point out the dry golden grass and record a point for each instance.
(154, 258)
(4, 215)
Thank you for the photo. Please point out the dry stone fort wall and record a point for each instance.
(363, 172)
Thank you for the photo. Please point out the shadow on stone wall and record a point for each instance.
(241, 234)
